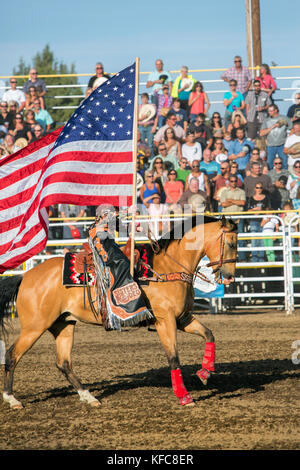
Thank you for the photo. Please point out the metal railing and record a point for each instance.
(214, 86)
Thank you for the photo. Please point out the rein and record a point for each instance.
(164, 277)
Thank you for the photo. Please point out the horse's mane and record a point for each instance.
(180, 227)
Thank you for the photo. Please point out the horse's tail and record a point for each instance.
(9, 287)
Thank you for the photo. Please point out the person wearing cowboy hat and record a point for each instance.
(257, 103)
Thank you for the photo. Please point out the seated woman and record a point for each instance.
(173, 188)
(238, 120)
(172, 144)
(160, 174)
(21, 129)
(148, 189)
(30, 119)
(216, 126)
(218, 149)
(156, 210)
(191, 150)
(32, 95)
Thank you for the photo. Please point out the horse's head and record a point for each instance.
(221, 248)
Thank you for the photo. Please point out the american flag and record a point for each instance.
(87, 162)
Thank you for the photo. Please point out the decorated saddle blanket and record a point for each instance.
(79, 268)
(74, 273)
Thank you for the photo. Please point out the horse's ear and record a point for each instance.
(223, 221)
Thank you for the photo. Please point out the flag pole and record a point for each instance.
(135, 128)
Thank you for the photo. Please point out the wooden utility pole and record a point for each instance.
(253, 33)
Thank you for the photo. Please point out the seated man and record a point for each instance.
(193, 198)
(171, 121)
(170, 162)
(202, 132)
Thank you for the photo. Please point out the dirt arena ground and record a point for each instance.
(252, 402)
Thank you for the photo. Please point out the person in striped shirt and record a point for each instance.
(239, 73)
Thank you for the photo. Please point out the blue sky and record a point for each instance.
(197, 34)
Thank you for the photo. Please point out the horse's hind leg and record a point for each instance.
(63, 333)
(13, 356)
(208, 364)
(166, 330)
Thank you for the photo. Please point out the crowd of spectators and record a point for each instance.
(23, 114)
(247, 159)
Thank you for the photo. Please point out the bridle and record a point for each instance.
(218, 263)
(221, 260)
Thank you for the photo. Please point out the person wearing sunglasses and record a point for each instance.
(183, 171)
(294, 108)
(198, 101)
(171, 121)
(255, 157)
(239, 73)
(256, 176)
(99, 73)
(36, 82)
(259, 201)
(233, 199)
(275, 129)
(257, 103)
(14, 94)
(293, 182)
(292, 145)
(239, 150)
(277, 173)
(216, 126)
(173, 188)
(21, 129)
(233, 101)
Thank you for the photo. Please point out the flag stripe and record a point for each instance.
(87, 162)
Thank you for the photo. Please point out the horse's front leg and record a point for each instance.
(167, 330)
(208, 363)
(63, 333)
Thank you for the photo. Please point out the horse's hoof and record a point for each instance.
(203, 375)
(95, 404)
(187, 400)
(88, 398)
(12, 401)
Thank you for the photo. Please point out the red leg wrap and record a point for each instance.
(209, 357)
(208, 364)
(179, 388)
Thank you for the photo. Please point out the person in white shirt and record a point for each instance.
(269, 226)
(191, 150)
(13, 94)
(293, 138)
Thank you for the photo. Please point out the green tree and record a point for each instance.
(46, 64)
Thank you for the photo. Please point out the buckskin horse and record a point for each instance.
(43, 303)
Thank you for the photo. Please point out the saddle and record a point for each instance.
(84, 258)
